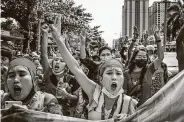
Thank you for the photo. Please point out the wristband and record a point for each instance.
(157, 41)
(134, 40)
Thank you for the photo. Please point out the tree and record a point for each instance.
(23, 11)
(29, 13)
(9, 25)
(175, 19)
(176, 29)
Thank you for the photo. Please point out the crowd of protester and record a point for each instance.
(96, 84)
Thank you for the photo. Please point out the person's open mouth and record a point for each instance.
(17, 89)
(113, 86)
(56, 67)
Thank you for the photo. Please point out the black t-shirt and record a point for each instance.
(67, 78)
(93, 69)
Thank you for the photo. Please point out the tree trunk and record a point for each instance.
(38, 36)
(180, 49)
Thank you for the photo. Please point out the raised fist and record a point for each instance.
(136, 34)
(156, 33)
(49, 18)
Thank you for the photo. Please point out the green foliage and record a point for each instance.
(175, 19)
(29, 12)
(14, 29)
(18, 9)
(176, 29)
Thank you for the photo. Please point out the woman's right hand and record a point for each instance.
(45, 28)
(156, 33)
(82, 36)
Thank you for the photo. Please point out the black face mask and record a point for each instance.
(140, 62)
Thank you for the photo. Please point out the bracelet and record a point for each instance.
(134, 40)
(157, 41)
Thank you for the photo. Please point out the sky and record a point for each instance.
(108, 14)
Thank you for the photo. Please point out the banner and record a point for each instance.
(167, 105)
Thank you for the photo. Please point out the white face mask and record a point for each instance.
(104, 90)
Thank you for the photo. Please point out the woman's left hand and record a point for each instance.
(63, 92)
(120, 116)
(13, 109)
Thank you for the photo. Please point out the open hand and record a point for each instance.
(156, 33)
(63, 92)
(146, 35)
(49, 18)
(82, 36)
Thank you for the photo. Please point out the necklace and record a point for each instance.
(112, 111)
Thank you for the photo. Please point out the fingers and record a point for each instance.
(154, 28)
(45, 28)
(135, 29)
(121, 116)
(83, 32)
(16, 108)
(135, 33)
(62, 91)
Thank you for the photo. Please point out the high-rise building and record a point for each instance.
(156, 14)
(134, 13)
(115, 43)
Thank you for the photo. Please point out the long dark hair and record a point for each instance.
(131, 64)
(164, 67)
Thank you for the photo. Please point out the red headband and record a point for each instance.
(110, 63)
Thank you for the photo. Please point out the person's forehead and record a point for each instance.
(18, 68)
(113, 68)
(58, 57)
(76, 56)
(39, 68)
(140, 53)
(96, 48)
(36, 60)
(4, 57)
(105, 51)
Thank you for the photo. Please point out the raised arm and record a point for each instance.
(82, 38)
(44, 57)
(131, 48)
(145, 38)
(132, 44)
(158, 61)
(86, 84)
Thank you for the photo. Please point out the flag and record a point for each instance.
(167, 105)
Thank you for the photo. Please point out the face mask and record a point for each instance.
(140, 62)
(111, 95)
